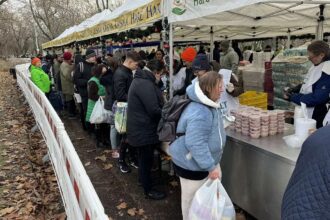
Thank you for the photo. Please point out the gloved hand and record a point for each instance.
(230, 87)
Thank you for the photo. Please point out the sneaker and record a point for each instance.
(115, 155)
(134, 164)
(155, 195)
(124, 168)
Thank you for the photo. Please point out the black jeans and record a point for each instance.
(83, 110)
(146, 156)
(102, 133)
(124, 146)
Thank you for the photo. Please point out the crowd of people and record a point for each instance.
(142, 81)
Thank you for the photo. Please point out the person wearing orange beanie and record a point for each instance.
(185, 74)
(39, 77)
(189, 54)
(36, 62)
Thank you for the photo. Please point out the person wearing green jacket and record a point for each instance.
(95, 90)
(39, 77)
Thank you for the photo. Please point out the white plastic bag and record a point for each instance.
(100, 114)
(211, 202)
(121, 117)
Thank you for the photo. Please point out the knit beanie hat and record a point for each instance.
(35, 61)
(67, 56)
(201, 63)
(189, 54)
(90, 53)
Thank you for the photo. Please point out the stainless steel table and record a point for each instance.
(257, 171)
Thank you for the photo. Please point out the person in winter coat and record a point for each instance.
(123, 78)
(197, 153)
(46, 65)
(107, 81)
(144, 110)
(39, 77)
(66, 70)
(82, 74)
(186, 74)
(95, 90)
(58, 59)
(229, 60)
(315, 90)
(307, 196)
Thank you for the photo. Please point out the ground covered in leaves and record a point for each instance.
(28, 187)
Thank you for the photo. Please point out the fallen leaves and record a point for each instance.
(131, 211)
(107, 166)
(174, 183)
(6, 211)
(122, 205)
(28, 188)
(102, 158)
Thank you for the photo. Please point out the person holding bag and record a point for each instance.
(95, 90)
(196, 154)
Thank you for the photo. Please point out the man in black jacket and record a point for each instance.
(123, 78)
(82, 74)
(145, 102)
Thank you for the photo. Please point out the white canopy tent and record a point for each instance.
(94, 20)
(243, 19)
(105, 16)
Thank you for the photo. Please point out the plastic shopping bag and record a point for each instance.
(100, 114)
(121, 117)
(211, 202)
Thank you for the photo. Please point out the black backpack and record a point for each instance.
(171, 113)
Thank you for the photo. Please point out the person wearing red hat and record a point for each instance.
(186, 74)
(66, 70)
(39, 77)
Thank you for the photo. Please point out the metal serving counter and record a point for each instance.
(257, 171)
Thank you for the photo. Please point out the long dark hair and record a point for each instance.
(97, 72)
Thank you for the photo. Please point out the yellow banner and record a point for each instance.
(145, 14)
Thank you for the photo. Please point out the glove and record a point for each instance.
(230, 87)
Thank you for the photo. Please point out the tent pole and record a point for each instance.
(320, 22)
(211, 43)
(171, 59)
(288, 43)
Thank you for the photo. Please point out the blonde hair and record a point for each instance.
(209, 81)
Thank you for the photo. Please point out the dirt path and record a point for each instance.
(28, 188)
(115, 188)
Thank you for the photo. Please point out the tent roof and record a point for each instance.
(280, 13)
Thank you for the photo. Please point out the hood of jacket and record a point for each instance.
(195, 93)
(145, 74)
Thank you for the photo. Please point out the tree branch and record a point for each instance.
(38, 23)
(98, 6)
(2, 1)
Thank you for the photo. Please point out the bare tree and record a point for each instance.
(2, 1)
(108, 4)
